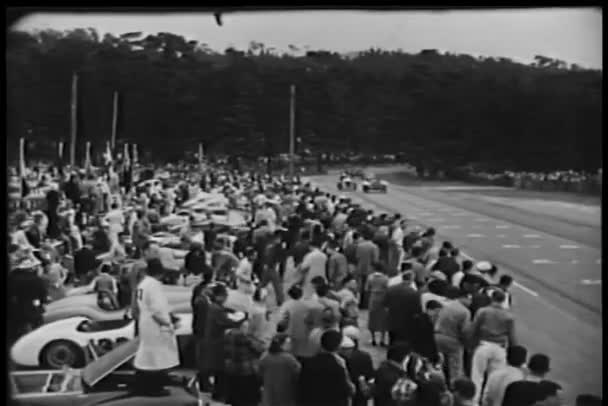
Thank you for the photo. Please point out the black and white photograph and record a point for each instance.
(299, 206)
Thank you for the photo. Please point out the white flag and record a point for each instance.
(135, 157)
(127, 161)
(87, 159)
(21, 157)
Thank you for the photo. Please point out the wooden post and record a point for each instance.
(292, 129)
(74, 110)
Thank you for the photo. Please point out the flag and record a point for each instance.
(60, 151)
(200, 153)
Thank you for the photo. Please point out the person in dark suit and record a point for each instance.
(359, 364)
(423, 334)
(216, 324)
(402, 304)
(324, 379)
(200, 303)
(526, 392)
(388, 373)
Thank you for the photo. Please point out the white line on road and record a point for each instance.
(516, 284)
(511, 246)
(482, 219)
(501, 236)
(568, 247)
(591, 281)
(531, 236)
(543, 261)
(502, 226)
(534, 246)
(452, 226)
(475, 235)
(574, 261)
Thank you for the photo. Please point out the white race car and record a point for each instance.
(64, 342)
(374, 185)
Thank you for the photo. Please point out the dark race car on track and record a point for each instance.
(346, 183)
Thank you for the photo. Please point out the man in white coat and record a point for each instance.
(158, 350)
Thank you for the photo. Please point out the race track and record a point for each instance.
(551, 248)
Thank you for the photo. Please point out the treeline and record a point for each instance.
(441, 109)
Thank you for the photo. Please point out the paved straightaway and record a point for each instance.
(558, 270)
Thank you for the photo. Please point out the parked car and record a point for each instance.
(96, 308)
(64, 342)
(104, 381)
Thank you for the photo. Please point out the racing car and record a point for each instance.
(346, 183)
(105, 381)
(95, 307)
(65, 342)
(372, 184)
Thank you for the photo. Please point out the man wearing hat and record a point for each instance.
(358, 363)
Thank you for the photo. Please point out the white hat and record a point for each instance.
(347, 343)
(352, 332)
(483, 266)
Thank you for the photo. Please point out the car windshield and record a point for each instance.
(35, 383)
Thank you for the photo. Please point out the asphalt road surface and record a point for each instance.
(552, 248)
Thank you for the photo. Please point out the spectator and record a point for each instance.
(324, 380)
(423, 340)
(402, 304)
(313, 265)
(195, 264)
(388, 373)
(360, 366)
(464, 392)
(243, 352)
(504, 283)
(466, 268)
(450, 332)
(366, 253)
(216, 324)
(501, 378)
(435, 289)
(337, 266)
(447, 264)
(280, 372)
(492, 330)
(525, 392)
(377, 286)
(549, 394)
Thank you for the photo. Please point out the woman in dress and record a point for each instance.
(376, 287)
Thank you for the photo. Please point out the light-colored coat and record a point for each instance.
(158, 345)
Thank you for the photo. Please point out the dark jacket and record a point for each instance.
(423, 337)
(403, 304)
(447, 265)
(216, 324)
(359, 363)
(521, 393)
(196, 262)
(385, 378)
(323, 382)
(84, 261)
(200, 308)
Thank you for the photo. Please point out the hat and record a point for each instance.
(352, 332)
(483, 266)
(438, 275)
(347, 343)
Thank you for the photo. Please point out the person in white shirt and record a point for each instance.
(157, 351)
(313, 265)
(467, 267)
(116, 219)
(501, 378)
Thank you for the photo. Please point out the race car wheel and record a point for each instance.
(339, 186)
(365, 189)
(60, 353)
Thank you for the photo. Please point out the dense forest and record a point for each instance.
(440, 107)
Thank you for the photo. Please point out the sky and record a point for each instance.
(573, 35)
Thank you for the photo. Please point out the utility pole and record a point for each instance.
(114, 120)
(292, 108)
(74, 110)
